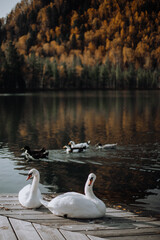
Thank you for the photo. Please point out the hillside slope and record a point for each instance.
(108, 40)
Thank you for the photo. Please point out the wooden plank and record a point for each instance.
(19, 208)
(6, 232)
(10, 207)
(33, 218)
(73, 235)
(153, 224)
(120, 214)
(145, 237)
(53, 223)
(24, 216)
(97, 227)
(48, 233)
(86, 227)
(8, 195)
(49, 223)
(124, 232)
(96, 238)
(24, 230)
(8, 198)
(145, 219)
(8, 211)
(9, 202)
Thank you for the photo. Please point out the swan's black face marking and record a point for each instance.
(90, 181)
(29, 176)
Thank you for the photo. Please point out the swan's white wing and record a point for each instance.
(24, 194)
(34, 200)
(28, 200)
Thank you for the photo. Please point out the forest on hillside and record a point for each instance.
(79, 44)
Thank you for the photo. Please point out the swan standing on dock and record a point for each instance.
(30, 195)
(77, 205)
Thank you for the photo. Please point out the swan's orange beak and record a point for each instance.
(90, 182)
(29, 176)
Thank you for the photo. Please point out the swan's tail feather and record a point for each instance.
(44, 203)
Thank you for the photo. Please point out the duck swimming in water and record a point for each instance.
(70, 149)
(106, 146)
(79, 145)
(34, 154)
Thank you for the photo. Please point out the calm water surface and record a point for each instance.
(128, 176)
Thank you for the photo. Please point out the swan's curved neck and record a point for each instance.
(88, 190)
(35, 183)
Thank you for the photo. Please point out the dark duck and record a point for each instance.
(34, 154)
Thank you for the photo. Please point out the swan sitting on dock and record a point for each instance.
(106, 146)
(77, 205)
(30, 195)
(70, 149)
(34, 154)
(79, 145)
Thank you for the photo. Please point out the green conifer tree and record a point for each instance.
(13, 69)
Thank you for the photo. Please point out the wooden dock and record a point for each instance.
(18, 223)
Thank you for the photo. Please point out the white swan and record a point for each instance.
(30, 195)
(76, 205)
(79, 145)
(106, 146)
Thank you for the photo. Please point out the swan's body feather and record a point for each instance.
(75, 205)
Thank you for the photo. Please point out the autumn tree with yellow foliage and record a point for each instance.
(83, 44)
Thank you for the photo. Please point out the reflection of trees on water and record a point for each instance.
(54, 119)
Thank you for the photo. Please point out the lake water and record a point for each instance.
(127, 177)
